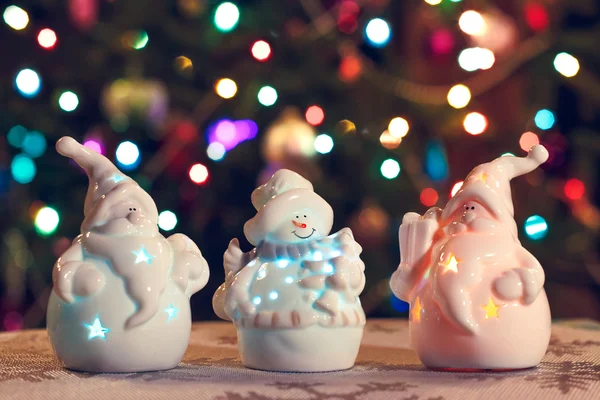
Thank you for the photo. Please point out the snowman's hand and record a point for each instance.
(530, 275)
(218, 302)
(190, 270)
(233, 259)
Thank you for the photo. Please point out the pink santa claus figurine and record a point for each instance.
(476, 295)
(294, 298)
(120, 301)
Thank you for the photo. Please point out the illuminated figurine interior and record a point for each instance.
(294, 298)
(120, 301)
(476, 295)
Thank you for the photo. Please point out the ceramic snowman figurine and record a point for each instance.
(121, 293)
(476, 295)
(294, 298)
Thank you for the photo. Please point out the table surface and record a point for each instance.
(386, 369)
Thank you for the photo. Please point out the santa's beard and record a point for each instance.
(470, 223)
(127, 226)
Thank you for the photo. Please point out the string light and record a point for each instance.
(267, 96)
(398, 127)
(323, 143)
(566, 64)
(455, 188)
(28, 82)
(199, 174)
(536, 227)
(261, 50)
(184, 65)
(472, 23)
(544, 119)
(390, 168)
(459, 96)
(475, 123)
(47, 38)
(433, 2)
(508, 154)
(128, 155)
(16, 135)
(536, 16)
(216, 151)
(475, 58)
(528, 140)
(141, 40)
(378, 32)
(574, 189)
(429, 197)
(226, 88)
(388, 141)
(314, 115)
(227, 16)
(22, 168)
(167, 220)
(46, 221)
(94, 145)
(68, 101)
(16, 17)
(34, 144)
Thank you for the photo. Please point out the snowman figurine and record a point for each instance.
(476, 295)
(294, 298)
(120, 301)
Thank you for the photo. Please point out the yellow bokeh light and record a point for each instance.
(472, 23)
(388, 141)
(398, 127)
(226, 88)
(433, 2)
(475, 123)
(459, 96)
(491, 309)
(16, 17)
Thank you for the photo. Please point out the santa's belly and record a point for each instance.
(89, 334)
(509, 334)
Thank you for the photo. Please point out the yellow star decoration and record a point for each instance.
(451, 265)
(416, 312)
(491, 309)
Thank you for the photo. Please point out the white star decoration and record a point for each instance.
(117, 178)
(142, 256)
(171, 312)
(96, 330)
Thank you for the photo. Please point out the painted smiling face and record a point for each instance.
(472, 217)
(301, 225)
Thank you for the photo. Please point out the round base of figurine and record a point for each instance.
(312, 349)
(475, 370)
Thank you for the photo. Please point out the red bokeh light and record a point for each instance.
(429, 197)
(574, 189)
(442, 42)
(315, 115)
(528, 140)
(536, 17)
(350, 68)
(261, 50)
(47, 38)
(199, 174)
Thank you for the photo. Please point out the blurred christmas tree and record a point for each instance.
(385, 105)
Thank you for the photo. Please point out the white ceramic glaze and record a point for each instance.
(476, 295)
(120, 301)
(294, 298)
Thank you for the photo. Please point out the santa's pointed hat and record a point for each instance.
(107, 185)
(489, 185)
(286, 192)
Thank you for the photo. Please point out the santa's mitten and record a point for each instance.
(190, 270)
(519, 283)
(76, 278)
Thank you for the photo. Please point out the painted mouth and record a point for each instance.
(304, 237)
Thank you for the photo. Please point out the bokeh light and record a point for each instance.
(13, 321)
(475, 123)
(22, 168)
(198, 174)
(323, 143)
(566, 64)
(68, 101)
(475, 58)
(378, 32)
(95, 145)
(226, 88)
(46, 221)
(459, 96)
(267, 96)
(315, 115)
(544, 119)
(456, 187)
(429, 197)
(436, 163)
(47, 38)
(184, 66)
(261, 50)
(536, 16)
(388, 141)
(227, 16)
(28, 82)
(216, 151)
(128, 155)
(433, 2)
(442, 41)
(398, 127)
(536, 227)
(34, 144)
(390, 168)
(574, 189)
(528, 140)
(16, 135)
(167, 220)
(472, 23)
(16, 17)
(141, 40)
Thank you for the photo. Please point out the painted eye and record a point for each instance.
(472, 208)
(305, 216)
(297, 216)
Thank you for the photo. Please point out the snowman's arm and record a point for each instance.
(235, 259)
(190, 270)
(65, 268)
(531, 273)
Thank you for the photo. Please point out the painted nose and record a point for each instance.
(468, 217)
(299, 224)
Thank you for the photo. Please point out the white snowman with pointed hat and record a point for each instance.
(120, 301)
(476, 294)
(294, 298)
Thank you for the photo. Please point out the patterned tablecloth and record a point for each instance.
(386, 369)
